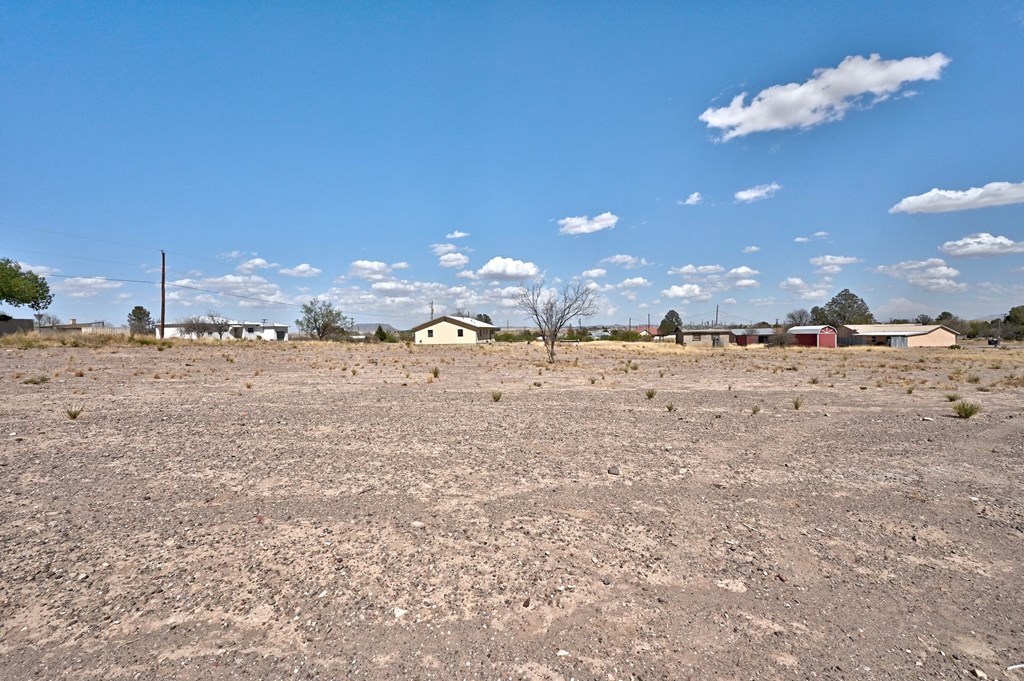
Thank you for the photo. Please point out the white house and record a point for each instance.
(236, 331)
(454, 330)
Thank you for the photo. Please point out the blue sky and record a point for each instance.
(757, 157)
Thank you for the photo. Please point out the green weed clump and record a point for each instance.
(966, 410)
(496, 395)
(73, 412)
(650, 393)
(798, 402)
(36, 380)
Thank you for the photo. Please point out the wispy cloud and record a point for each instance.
(832, 264)
(303, 270)
(805, 239)
(85, 287)
(41, 270)
(949, 200)
(690, 270)
(630, 262)
(456, 235)
(595, 273)
(372, 269)
(758, 193)
(751, 249)
(983, 244)
(585, 225)
(691, 200)
(254, 265)
(932, 274)
(858, 82)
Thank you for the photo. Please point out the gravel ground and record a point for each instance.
(305, 510)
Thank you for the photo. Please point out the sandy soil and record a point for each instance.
(282, 511)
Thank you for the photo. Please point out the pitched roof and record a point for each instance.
(810, 329)
(895, 329)
(468, 322)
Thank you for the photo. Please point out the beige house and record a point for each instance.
(704, 337)
(453, 331)
(898, 335)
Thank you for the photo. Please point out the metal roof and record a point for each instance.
(895, 329)
(809, 329)
(460, 321)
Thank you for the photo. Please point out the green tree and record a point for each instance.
(322, 321)
(485, 318)
(1015, 315)
(799, 317)
(18, 287)
(140, 321)
(380, 334)
(844, 308)
(670, 323)
(923, 319)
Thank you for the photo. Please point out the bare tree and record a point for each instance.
(798, 317)
(196, 326)
(219, 324)
(552, 309)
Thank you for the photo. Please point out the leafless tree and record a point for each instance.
(551, 309)
(196, 326)
(798, 317)
(219, 324)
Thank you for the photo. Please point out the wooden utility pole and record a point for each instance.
(163, 292)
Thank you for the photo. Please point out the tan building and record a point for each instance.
(704, 337)
(454, 331)
(898, 335)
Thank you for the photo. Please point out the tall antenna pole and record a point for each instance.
(431, 309)
(716, 315)
(163, 294)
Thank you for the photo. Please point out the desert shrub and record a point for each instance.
(650, 393)
(496, 395)
(798, 402)
(952, 397)
(36, 380)
(73, 412)
(966, 410)
(670, 407)
(435, 372)
(755, 409)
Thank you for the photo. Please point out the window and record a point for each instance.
(430, 333)
(460, 332)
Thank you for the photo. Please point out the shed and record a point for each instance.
(823, 336)
(898, 335)
(744, 337)
(454, 331)
(703, 337)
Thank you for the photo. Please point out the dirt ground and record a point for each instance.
(305, 510)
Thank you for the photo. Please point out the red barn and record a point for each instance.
(814, 336)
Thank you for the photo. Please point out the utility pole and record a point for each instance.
(431, 309)
(716, 316)
(648, 322)
(163, 292)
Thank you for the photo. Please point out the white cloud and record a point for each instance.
(758, 193)
(250, 266)
(507, 268)
(902, 307)
(697, 269)
(823, 98)
(252, 290)
(746, 283)
(805, 239)
(751, 249)
(369, 269)
(452, 260)
(595, 273)
(456, 235)
(584, 225)
(235, 255)
(691, 200)
(948, 200)
(634, 282)
(729, 301)
(441, 249)
(85, 287)
(832, 264)
(630, 262)
(932, 274)
(303, 270)
(41, 270)
(741, 272)
(762, 301)
(983, 244)
(400, 265)
(792, 284)
(686, 291)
